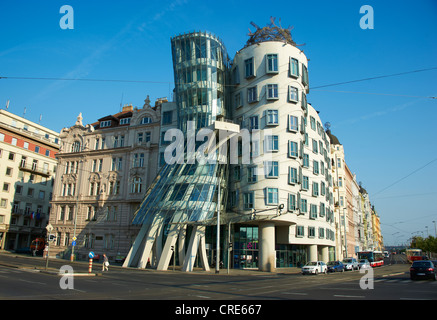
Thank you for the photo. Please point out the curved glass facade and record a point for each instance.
(200, 63)
(187, 192)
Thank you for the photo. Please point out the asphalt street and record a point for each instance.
(26, 278)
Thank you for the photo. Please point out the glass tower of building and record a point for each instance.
(185, 191)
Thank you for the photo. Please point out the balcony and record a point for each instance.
(33, 168)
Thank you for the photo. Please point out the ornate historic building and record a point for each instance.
(103, 173)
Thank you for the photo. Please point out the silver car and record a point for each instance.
(364, 264)
(350, 264)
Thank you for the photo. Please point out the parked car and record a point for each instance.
(315, 267)
(423, 268)
(335, 266)
(364, 264)
(350, 264)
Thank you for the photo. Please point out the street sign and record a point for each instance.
(73, 243)
(49, 227)
(91, 255)
(74, 238)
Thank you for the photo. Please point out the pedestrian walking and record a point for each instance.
(105, 263)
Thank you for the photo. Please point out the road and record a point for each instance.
(21, 280)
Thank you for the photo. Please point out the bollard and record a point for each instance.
(90, 266)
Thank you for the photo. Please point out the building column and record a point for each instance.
(312, 252)
(267, 254)
(325, 253)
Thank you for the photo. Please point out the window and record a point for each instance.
(300, 231)
(252, 95)
(106, 123)
(322, 209)
(315, 167)
(249, 68)
(139, 137)
(292, 149)
(303, 205)
(6, 187)
(311, 232)
(291, 202)
(313, 211)
(138, 160)
(254, 123)
(305, 81)
(271, 169)
(292, 175)
(293, 95)
(305, 183)
(61, 213)
(146, 120)
(238, 100)
(125, 120)
(12, 156)
(293, 124)
(251, 174)
(272, 117)
(136, 185)
(315, 146)
(294, 67)
(272, 143)
(248, 200)
(272, 92)
(315, 189)
(75, 147)
(322, 188)
(272, 63)
(304, 102)
(272, 196)
(306, 161)
(167, 117)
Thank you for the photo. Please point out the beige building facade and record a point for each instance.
(104, 171)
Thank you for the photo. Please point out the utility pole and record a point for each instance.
(217, 259)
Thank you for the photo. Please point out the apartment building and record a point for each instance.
(27, 166)
(104, 171)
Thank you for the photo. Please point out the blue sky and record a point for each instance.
(387, 125)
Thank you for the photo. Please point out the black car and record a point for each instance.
(423, 269)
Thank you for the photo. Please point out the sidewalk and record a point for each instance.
(24, 261)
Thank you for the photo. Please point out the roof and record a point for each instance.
(334, 139)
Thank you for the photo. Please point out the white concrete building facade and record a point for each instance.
(269, 99)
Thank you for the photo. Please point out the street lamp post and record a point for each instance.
(76, 213)
(435, 229)
(217, 258)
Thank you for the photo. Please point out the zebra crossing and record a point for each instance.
(404, 281)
